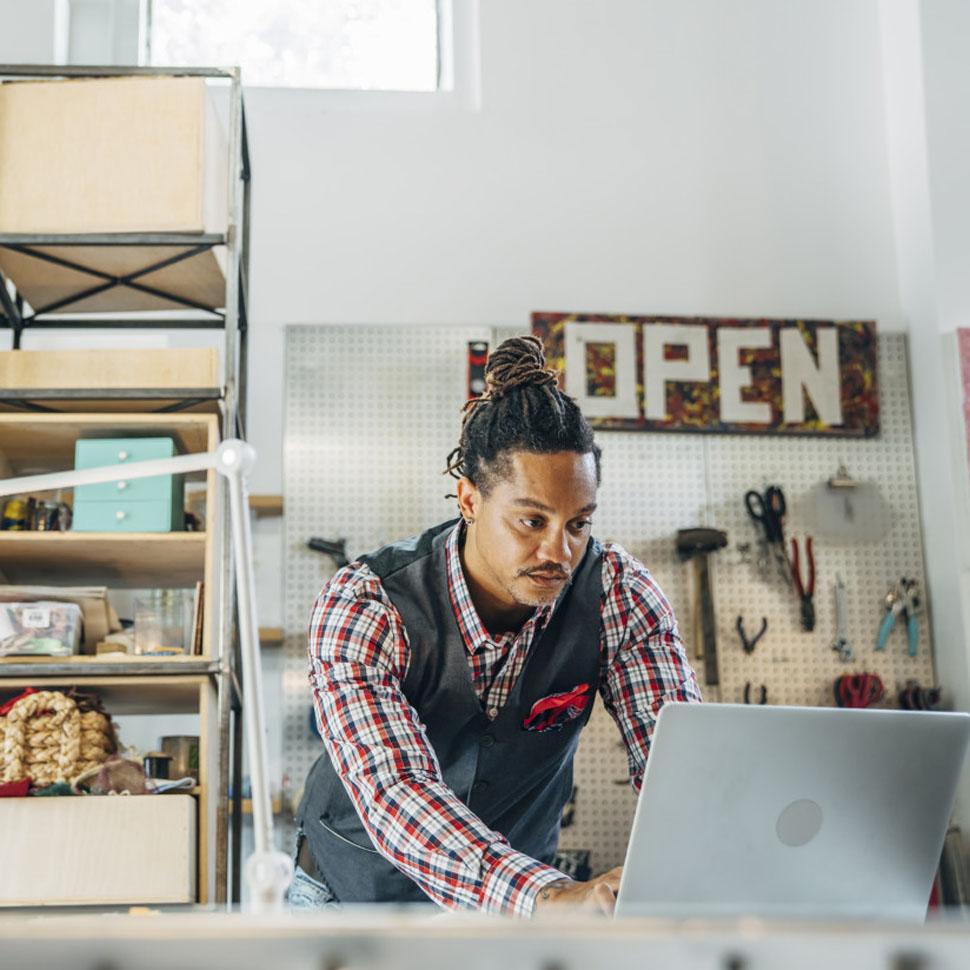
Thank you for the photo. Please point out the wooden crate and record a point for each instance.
(108, 850)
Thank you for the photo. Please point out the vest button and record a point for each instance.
(487, 740)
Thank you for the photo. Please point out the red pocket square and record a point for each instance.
(552, 712)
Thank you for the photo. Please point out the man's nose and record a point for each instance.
(555, 548)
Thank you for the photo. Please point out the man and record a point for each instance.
(452, 672)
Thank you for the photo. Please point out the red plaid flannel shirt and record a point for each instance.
(359, 655)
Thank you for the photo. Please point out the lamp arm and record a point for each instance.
(176, 465)
(268, 871)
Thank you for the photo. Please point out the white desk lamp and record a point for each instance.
(268, 871)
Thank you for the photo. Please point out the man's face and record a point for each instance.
(530, 531)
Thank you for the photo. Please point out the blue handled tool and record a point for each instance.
(903, 599)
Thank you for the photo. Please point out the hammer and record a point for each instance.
(698, 544)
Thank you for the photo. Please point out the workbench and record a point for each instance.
(378, 937)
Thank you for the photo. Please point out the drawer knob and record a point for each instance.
(122, 486)
(122, 456)
(119, 515)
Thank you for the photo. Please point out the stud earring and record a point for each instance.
(469, 520)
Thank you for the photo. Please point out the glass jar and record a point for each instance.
(160, 622)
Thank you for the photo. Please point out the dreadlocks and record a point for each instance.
(522, 409)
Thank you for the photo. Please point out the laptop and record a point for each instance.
(792, 812)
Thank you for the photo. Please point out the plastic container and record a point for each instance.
(161, 622)
(44, 628)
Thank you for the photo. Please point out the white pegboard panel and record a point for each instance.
(371, 413)
(798, 667)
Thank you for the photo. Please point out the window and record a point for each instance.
(389, 45)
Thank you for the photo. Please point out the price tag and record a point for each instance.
(38, 617)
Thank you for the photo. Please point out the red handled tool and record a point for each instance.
(477, 359)
(858, 690)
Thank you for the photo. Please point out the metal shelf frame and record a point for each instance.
(175, 398)
(232, 319)
(108, 668)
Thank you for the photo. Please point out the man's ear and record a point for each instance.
(469, 499)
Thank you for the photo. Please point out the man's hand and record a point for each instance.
(598, 894)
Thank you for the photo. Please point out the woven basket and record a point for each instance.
(46, 738)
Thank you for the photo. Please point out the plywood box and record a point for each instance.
(108, 850)
(160, 369)
(111, 155)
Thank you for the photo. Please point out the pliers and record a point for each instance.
(902, 598)
(762, 694)
(746, 644)
(806, 591)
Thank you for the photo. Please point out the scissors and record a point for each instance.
(768, 510)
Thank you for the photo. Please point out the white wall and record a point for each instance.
(636, 155)
(27, 31)
(927, 79)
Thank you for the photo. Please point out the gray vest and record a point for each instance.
(517, 781)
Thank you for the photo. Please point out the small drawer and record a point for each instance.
(136, 490)
(123, 517)
(95, 452)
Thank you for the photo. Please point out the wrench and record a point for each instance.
(841, 644)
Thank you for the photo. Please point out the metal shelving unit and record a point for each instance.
(231, 318)
(229, 400)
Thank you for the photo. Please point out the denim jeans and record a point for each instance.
(304, 891)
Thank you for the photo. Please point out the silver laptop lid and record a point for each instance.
(784, 811)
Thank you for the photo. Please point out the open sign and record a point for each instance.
(717, 374)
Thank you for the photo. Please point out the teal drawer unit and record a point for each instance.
(140, 505)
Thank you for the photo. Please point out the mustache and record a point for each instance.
(546, 573)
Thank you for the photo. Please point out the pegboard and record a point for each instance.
(371, 413)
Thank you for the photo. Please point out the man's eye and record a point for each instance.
(531, 523)
(582, 525)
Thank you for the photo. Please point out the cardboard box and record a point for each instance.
(109, 155)
(107, 850)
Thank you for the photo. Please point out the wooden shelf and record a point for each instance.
(266, 505)
(124, 695)
(247, 805)
(122, 559)
(45, 442)
(271, 636)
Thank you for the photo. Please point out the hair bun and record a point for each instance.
(516, 362)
